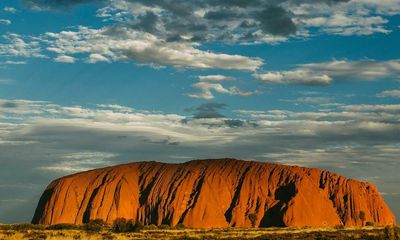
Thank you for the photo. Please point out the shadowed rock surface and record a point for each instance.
(212, 193)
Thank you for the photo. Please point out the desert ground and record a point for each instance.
(93, 232)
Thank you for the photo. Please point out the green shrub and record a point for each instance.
(389, 233)
(138, 226)
(151, 227)
(123, 225)
(94, 225)
(164, 226)
(63, 226)
(397, 232)
(369, 223)
(119, 225)
(180, 226)
(22, 226)
(253, 219)
(130, 225)
(339, 226)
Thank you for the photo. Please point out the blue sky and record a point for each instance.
(85, 84)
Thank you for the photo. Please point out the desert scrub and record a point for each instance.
(95, 225)
(121, 225)
(64, 226)
(21, 227)
(306, 233)
(35, 235)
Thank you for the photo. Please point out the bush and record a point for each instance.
(253, 219)
(164, 226)
(63, 226)
(389, 233)
(397, 232)
(151, 227)
(138, 226)
(119, 225)
(369, 223)
(180, 226)
(130, 225)
(95, 225)
(339, 226)
(22, 226)
(123, 225)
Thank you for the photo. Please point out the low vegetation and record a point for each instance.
(123, 229)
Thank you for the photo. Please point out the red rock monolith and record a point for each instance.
(212, 193)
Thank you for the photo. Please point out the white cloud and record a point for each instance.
(294, 77)
(80, 161)
(64, 59)
(10, 10)
(347, 25)
(206, 90)
(372, 107)
(362, 70)
(110, 44)
(5, 22)
(115, 118)
(20, 47)
(315, 100)
(357, 17)
(217, 78)
(123, 44)
(325, 73)
(95, 57)
(390, 93)
(9, 62)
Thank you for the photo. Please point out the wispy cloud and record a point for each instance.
(80, 161)
(390, 93)
(210, 83)
(19, 46)
(6, 81)
(9, 9)
(5, 22)
(325, 73)
(110, 44)
(64, 59)
(216, 78)
(303, 77)
(9, 62)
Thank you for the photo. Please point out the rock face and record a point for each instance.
(212, 193)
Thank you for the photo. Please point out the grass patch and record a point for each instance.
(69, 231)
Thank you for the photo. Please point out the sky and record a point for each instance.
(93, 83)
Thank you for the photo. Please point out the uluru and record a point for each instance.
(213, 193)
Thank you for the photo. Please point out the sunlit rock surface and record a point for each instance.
(212, 193)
